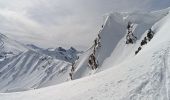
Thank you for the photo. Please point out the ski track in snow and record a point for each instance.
(155, 84)
(1, 43)
(167, 73)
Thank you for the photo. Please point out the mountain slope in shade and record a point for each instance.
(24, 68)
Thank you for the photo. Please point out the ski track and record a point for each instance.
(2, 44)
(154, 85)
(167, 73)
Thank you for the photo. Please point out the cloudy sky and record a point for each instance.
(52, 23)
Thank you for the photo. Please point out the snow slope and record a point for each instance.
(113, 49)
(115, 28)
(141, 77)
(23, 68)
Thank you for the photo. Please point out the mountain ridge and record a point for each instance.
(121, 74)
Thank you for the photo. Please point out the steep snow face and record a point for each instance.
(113, 48)
(143, 77)
(113, 35)
(22, 68)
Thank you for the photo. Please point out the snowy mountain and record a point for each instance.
(113, 48)
(69, 55)
(120, 74)
(28, 67)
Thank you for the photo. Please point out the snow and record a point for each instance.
(28, 67)
(119, 50)
(113, 48)
(69, 55)
(122, 75)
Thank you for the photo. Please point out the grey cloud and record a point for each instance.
(63, 22)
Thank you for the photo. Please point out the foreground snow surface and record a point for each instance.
(145, 76)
